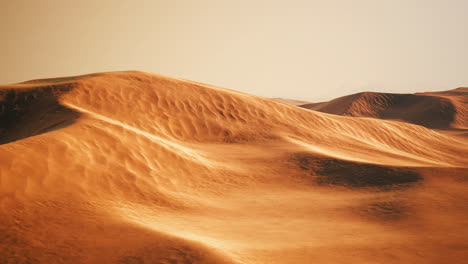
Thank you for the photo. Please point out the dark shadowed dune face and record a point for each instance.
(327, 171)
(133, 167)
(26, 112)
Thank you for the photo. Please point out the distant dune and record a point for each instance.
(133, 167)
(441, 110)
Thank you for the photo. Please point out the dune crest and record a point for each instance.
(133, 167)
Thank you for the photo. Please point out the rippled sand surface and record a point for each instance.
(132, 167)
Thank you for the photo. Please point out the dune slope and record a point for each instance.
(440, 110)
(132, 167)
(291, 101)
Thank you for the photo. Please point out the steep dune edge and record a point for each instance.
(29, 111)
(151, 169)
(440, 110)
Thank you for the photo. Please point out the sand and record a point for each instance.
(133, 167)
(445, 110)
(291, 101)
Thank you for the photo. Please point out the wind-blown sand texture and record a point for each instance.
(132, 167)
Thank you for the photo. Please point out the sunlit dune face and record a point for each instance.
(132, 167)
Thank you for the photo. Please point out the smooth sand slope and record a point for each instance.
(132, 167)
(291, 101)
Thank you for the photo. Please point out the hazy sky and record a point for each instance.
(300, 49)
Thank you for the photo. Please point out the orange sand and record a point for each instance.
(132, 167)
(440, 110)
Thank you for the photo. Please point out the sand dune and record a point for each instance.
(132, 167)
(291, 101)
(440, 110)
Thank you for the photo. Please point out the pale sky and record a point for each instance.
(299, 49)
